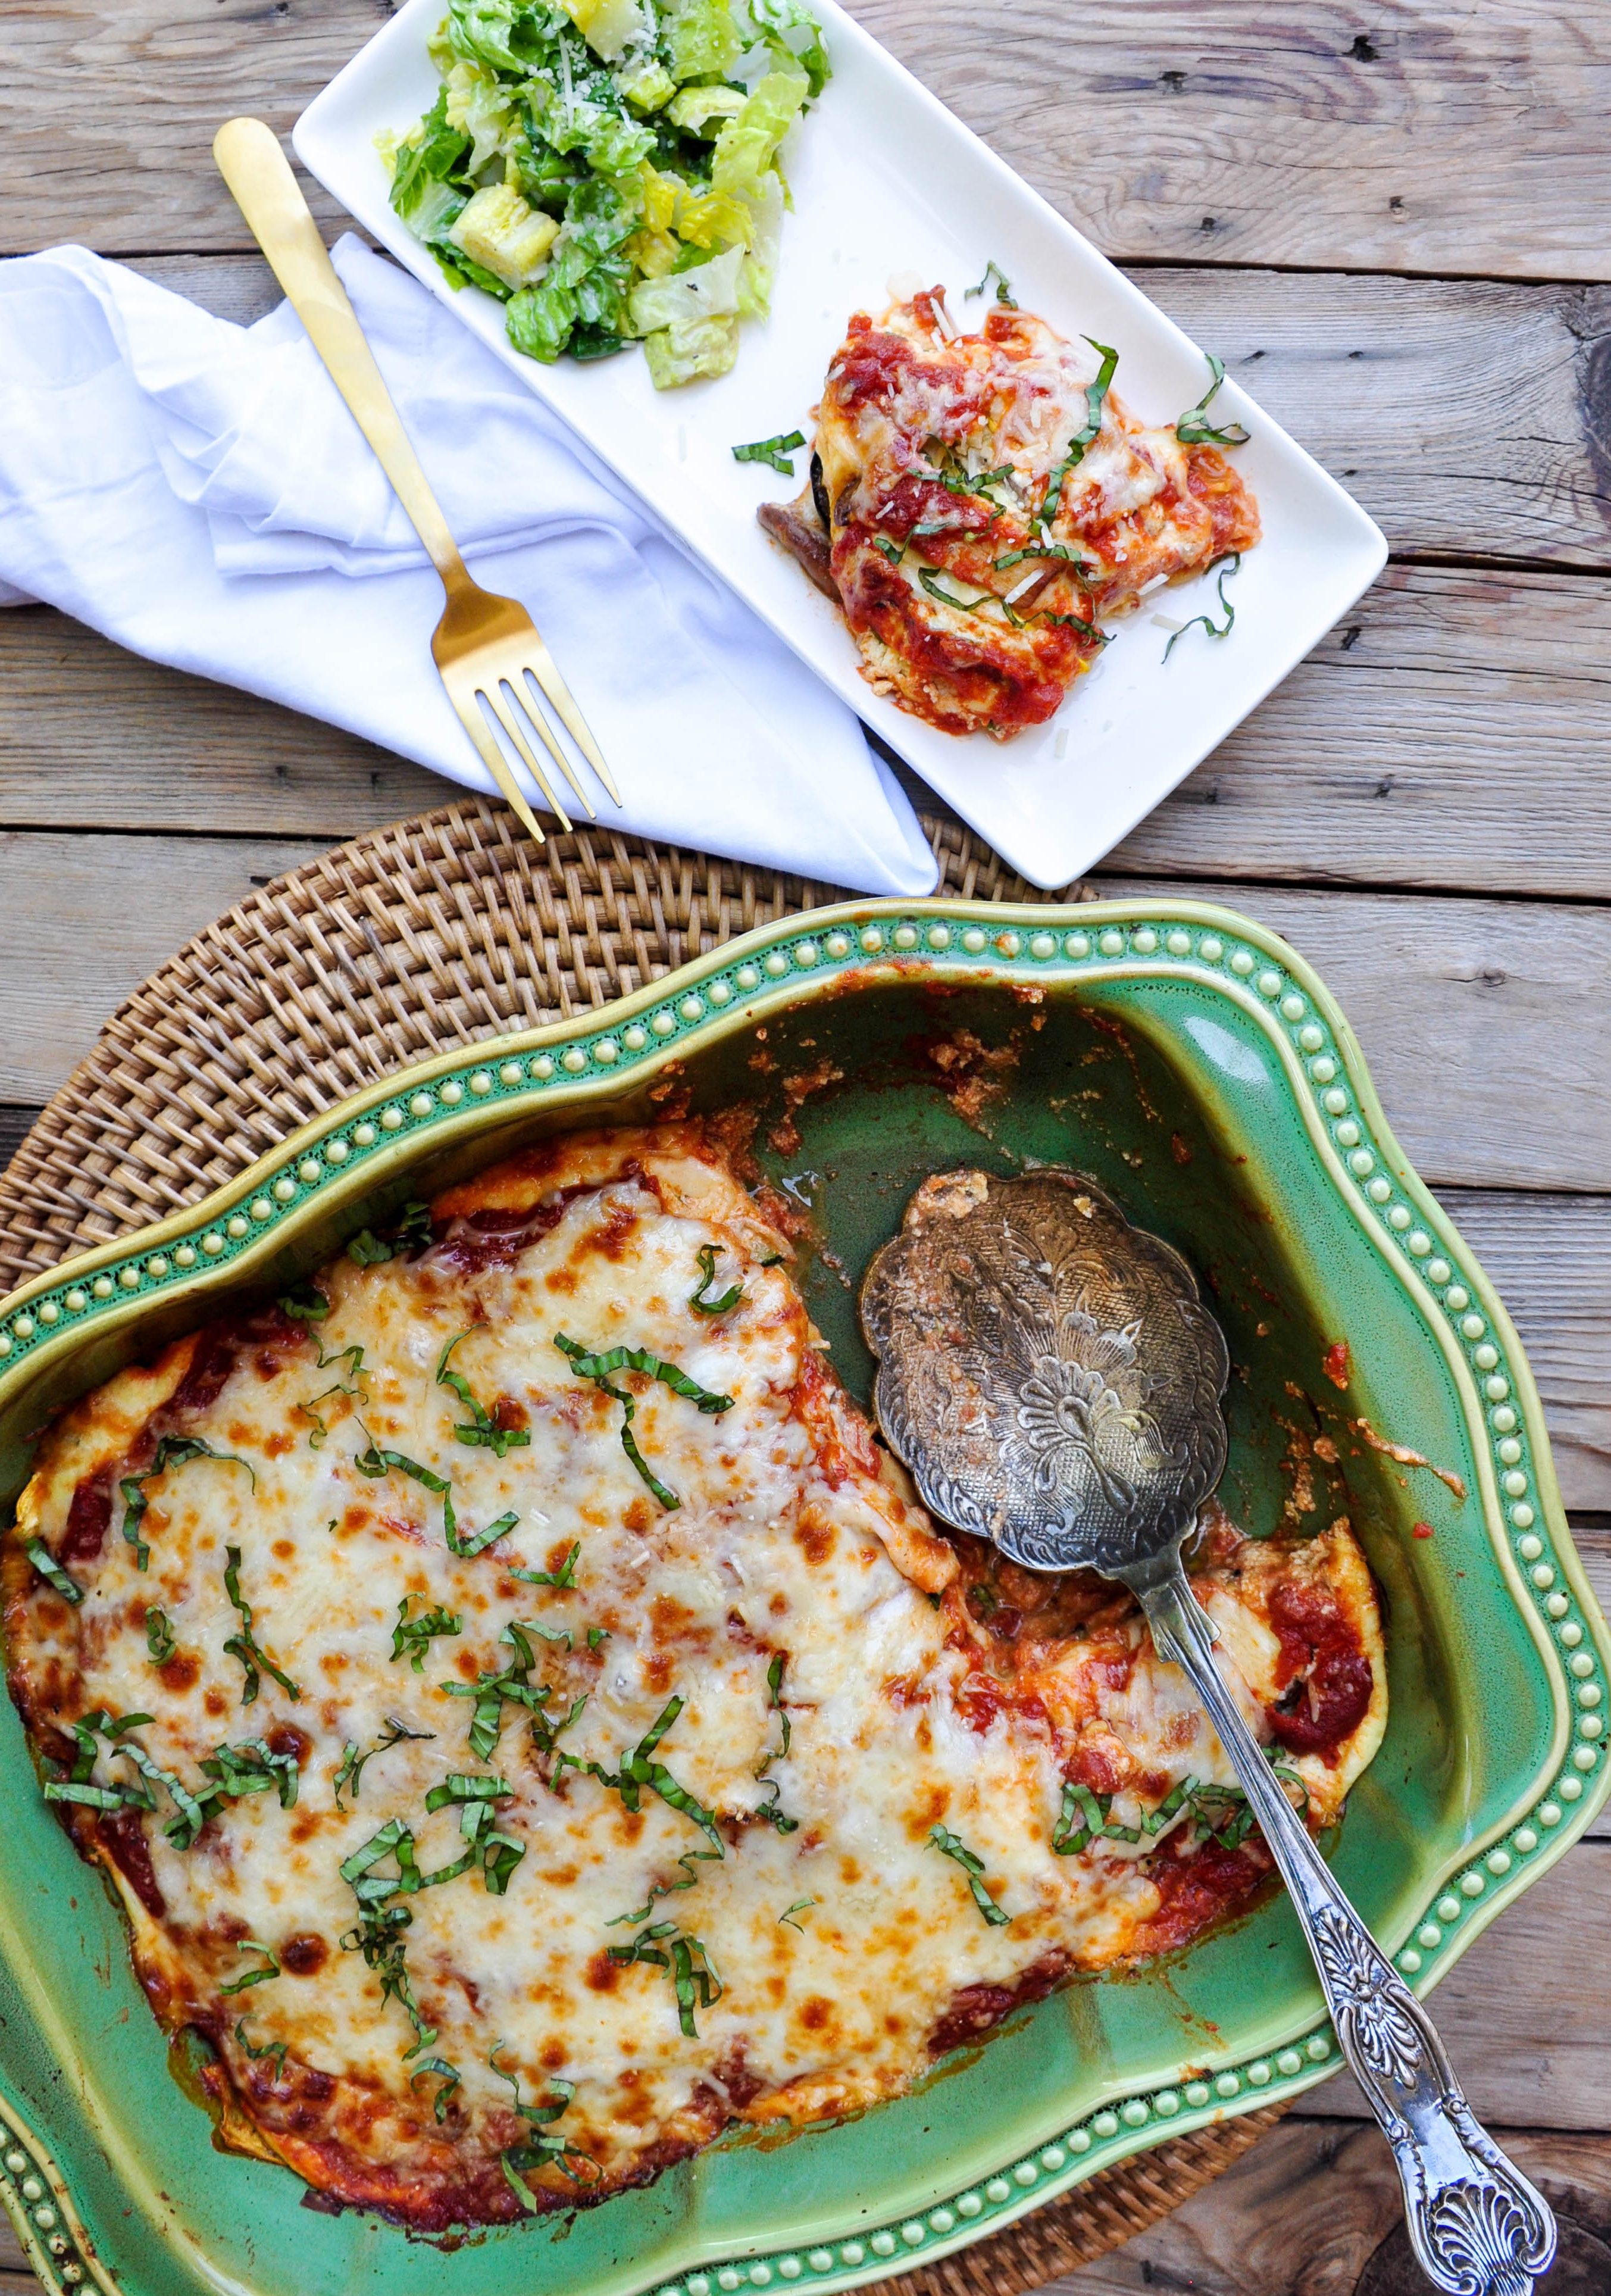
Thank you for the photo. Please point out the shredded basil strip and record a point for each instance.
(540, 2150)
(513, 1684)
(374, 1463)
(45, 1563)
(687, 1962)
(893, 551)
(230, 1772)
(769, 1811)
(351, 1770)
(482, 1428)
(599, 1368)
(245, 1645)
(254, 1976)
(706, 1258)
(1230, 564)
(478, 1541)
(931, 582)
(275, 2050)
(159, 1640)
(172, 1451)
(1194, 429)
(411, 1232)
(798, 1907)
(688, 1859)
(1004, 287)
(639, 1769)
(951, 1845)
(776, 451)
(306, 1305)
(967, 482)
(1081, 565)
(377, 1933)
(451, 2078)
(413, 1637)
(498, 1854)
(565, 1575)
(1086, 435)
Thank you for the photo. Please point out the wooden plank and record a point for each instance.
(1449, 140)
(107, 116)
(1304, 2212)
(86, 918)
(1436, 139)
(1550, 1258)
(1438, 738)
(1440, 735)
(1484, 1023)
(1468, 416)
(93, 737)
(1461, 413)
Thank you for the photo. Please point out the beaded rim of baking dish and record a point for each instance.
(948, 939)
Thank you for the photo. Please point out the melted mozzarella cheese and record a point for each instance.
(839, 1945)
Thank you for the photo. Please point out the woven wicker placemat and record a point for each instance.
(434, 933)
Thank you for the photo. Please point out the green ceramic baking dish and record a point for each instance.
(1196, 1066)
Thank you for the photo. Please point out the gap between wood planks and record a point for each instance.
(1427, 140)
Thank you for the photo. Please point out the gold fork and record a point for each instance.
(483, 644)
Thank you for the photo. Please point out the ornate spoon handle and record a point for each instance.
(1477, 2226)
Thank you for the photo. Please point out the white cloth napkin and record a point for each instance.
(197, 491)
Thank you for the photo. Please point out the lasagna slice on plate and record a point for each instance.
(980, 503)
(529, 1725)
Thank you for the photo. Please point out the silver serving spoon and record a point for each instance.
(1051, 1378)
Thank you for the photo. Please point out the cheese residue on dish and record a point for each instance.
(545, 1759)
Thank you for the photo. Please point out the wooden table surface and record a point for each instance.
(1391, 220)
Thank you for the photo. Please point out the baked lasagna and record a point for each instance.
(980, 505)
(529, 1725)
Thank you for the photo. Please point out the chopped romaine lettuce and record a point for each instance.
(710, 292)
(482, 109)
(646, 85)
(610, 27)
(701, 347)
(698, 107)
(795, 37)
(502, 234)
(749, 143)
(597, 165)
(701, 39)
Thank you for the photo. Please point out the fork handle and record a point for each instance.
(268, 195)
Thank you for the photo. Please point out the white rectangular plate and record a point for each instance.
(886, 183)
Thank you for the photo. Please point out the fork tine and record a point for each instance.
(528, 703)
(497, 765)
(493, 697)
(546, 673)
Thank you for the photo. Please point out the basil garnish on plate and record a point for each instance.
(1004, 287)
(1229, 564)
(1193, 428)
(1086, 435)
(776, 451)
